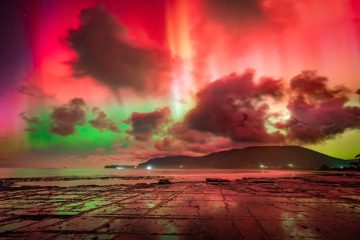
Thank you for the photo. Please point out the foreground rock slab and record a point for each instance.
(310, 207)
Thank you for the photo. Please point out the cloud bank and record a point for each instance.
(235, 107)
(318, 112)
(145, 124)
(101, 122)
(105, 52)
(66, 117)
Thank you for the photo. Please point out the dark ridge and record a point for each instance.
(278, 157)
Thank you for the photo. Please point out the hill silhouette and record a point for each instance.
(295, 157)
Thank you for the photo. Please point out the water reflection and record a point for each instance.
(187, 174)
(73, 183)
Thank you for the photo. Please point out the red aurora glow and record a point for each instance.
(129, 80)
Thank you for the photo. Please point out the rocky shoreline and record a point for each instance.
(307, 207)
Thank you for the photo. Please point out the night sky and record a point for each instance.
(90, 83)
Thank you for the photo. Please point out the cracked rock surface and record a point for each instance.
(309, 207)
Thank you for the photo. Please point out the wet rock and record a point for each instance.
(5, 183)
(164, 181)
(291, 208)
(217, 180)
(141, 184)
(260, 180)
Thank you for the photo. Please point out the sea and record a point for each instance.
(91, 176)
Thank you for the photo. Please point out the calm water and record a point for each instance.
(73, 176)
(179, 173)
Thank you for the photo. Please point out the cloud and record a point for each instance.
(101, 122)
(105, 52)
(29, 119)
(237, 14)
(317, 111)
(145, 124)
(182, 132)
(165, 145)
(214, 145)
(233, 106)
(235, 11)
(33, 90)
(236, 107)
(311, 85)
(66, 117)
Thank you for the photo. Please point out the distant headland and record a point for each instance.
(262, 157)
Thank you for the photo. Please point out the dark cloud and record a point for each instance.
(165, 145)
(235, 11)
(145, 124)
(102, 122)
(105, 53)
(67, 116)
(214, 145)
(237, 15)
(236, 107)
(233, 106)
(182, 132)
(317, 111)
(33, 90)
(29, 119)
(311, 85)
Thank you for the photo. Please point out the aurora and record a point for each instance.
(94, 83)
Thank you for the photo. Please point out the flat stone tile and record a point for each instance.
(175, 211)
(141, 236)
(119, 225)
(210, 208)
(108, 210)
(266, 211)
(37, 236)
(213, 226)
(165, 226)
(66, 236)
(173, 203)
(132, 211)
(238, 209)
(40, 225)
(289, 229)
(11, 226)
(79, 224)
(250, 229)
